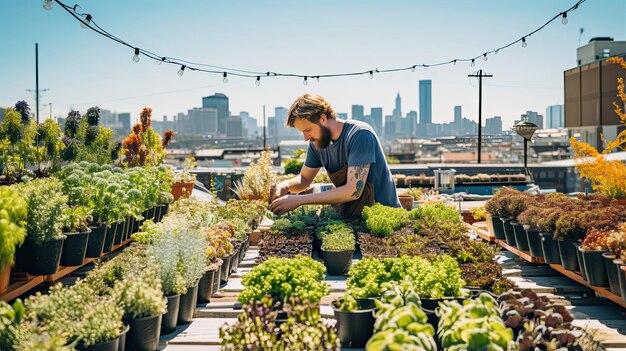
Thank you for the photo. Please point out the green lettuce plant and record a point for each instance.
(382, 220)
(13, 215)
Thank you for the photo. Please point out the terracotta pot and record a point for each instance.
(406, 201)
(177, 189)
(5, 277)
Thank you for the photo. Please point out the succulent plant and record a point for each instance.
(339, 240)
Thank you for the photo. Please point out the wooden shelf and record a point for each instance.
(480, 228)
(522, 254)
(20, 287)
(604, 292)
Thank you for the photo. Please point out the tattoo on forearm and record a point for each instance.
(360, 174)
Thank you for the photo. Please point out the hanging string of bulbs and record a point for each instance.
(87, 22)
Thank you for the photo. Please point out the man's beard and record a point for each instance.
(324, 140)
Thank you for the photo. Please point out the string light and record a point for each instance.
(225, 79)
(318, 78)
(86, 21)
(181, 71)
(305, 81)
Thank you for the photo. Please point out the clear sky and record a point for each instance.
(83, 69)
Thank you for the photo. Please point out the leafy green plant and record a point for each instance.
(284, 278)
(17, 143)
(294, 164)
(164, 252)
(13, 215)
(140, 296)
(432, 215)
(185, 176)
(46, 204)
(338, 238)
(257, 180)
(382, 220)
(10, 318)
(76, 219)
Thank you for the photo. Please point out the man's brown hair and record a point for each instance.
(310, 107)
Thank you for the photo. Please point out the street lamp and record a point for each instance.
(526, 130)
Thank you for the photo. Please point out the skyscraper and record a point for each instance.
(376, 114)
(220, 103)
(493, 125)
(357, 113)
(554, 116)
(426, 102)
(397, 111)
(533, 117)
(280, 113)
(458, 116)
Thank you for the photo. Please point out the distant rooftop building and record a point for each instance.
(554, 116)
(533, 117)
(600, 48)
(426, 102)
(219, 102)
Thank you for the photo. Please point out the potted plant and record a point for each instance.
(592, 248)
(497, 207)
(355, 320)
(44, 240)
(616, 244)
(530, 219)
(13, 216)
(184, 180)
(192, 263)
(569, 229)
(144, 146)
(547, 225)
(338, 248)
(257, 180)
(75, 227)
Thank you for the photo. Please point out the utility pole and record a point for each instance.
(480, 75)
(37, 77)
(264, 137)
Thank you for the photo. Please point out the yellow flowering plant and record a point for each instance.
(608, 177)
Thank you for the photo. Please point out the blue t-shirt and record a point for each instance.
(357, 145)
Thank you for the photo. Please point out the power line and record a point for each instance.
(86, 20)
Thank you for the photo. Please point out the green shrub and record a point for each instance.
(338, 238)
(46, 204)
(140, 296)
(284, 278)
(13, 215)
(76, 219)
(382, 220)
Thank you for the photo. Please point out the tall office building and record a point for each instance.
(493, 125)
(357, 113)
(202, 121)
(458, 116)
(218, 102)
(124, 119)
(554, 116)
(533, 117)
(234, 127)
(376, 115)
(397, 111)
(426, 102)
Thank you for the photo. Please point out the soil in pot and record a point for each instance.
(144, 333)
(355, 328)
(205, 286)
(567, 251)
(550, 248)
(75, 248)
(338, 262)
(498, 229)
(43, 259)
(168, 322)
(187, 305)
(109, 238)
(509, 234)
(95, 244)
(534, 243)
(593, 264)
(611, 272)
(581, 262)
(521, 238)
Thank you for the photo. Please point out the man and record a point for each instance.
(351, 154)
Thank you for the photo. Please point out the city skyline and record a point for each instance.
(82, 69)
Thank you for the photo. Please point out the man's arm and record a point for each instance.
(298, 183)
(352, 190)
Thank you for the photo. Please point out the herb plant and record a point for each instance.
(13, 215)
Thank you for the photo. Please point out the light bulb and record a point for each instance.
(136, 56)
(413, 69)
(84, 23)
(485, 56)
(181, 71)
(524, 42)
(305, 81)
(473, 64)
(564, 20)
(454, 62)
(258, 81)
(371, 74)
(47, 4)
(161, 61)
(498, 50)
(225, 79)
(318, 78)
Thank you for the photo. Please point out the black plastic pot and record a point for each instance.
(550, 248)
(498, 229)
(187, 305)
(534, 243)
(122, 338)
(621, 277)
(205, 286)
(136, 225)
(567, 251)
(157, 214)
(42, 259)
(166, 208)
(96, 242)
(338, 262)
(521, 238)
(168, 322)
(109, 238)
(611, 272)
(217, 280)
(111, 345)
(225, 269)
(593, 264)
(144, 333)
(234, 262)
(509, 234)
(581, 262)
(242, 251)
(75, 248)
(355, 328)
(119, 233)
(433, 304)
(131, 227)
(317, 247)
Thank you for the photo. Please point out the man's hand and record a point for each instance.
(279, 190)
(285, 204)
